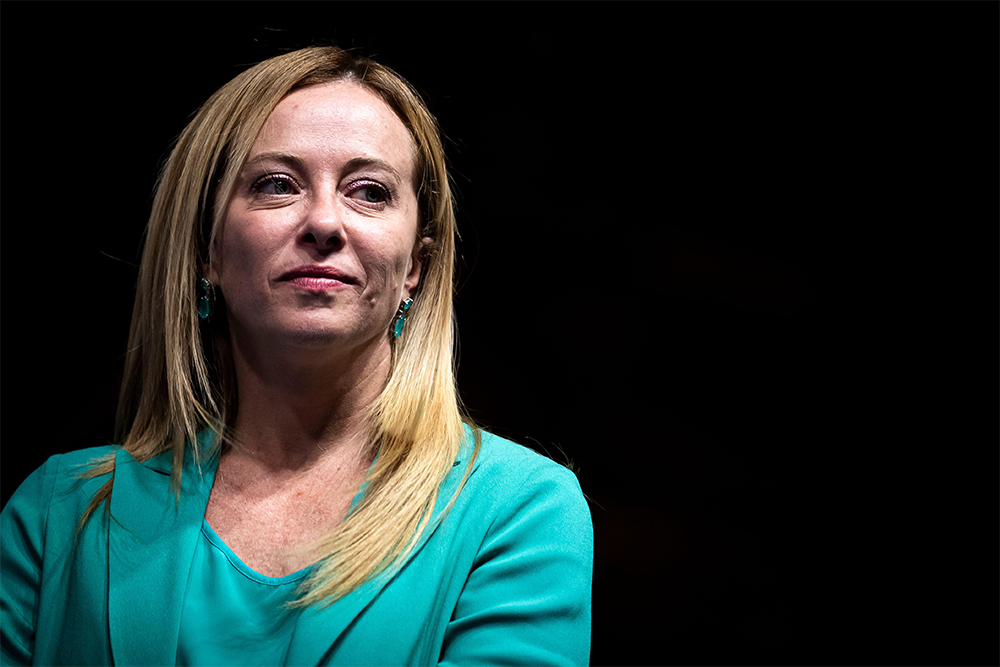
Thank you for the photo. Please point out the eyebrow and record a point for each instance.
(277, 157)
(352, 165)
(373, 162)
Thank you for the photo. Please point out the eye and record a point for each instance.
(370, 192)
(274, 185)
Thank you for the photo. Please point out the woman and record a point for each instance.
(297, 483)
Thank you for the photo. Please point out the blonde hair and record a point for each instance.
(179, 378)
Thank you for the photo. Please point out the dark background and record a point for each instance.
(724, 257)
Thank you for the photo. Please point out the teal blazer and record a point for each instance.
(504, 577)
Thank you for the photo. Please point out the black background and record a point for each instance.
(723, 257)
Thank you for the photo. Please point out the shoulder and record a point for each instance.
(506, 464)
(62, 466)
(69, 469)
(511, 480)
(499, 451)
(60, 480)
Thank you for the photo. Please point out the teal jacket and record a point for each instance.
(504, 577)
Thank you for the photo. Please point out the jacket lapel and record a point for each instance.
(318, 631)
(151, 542)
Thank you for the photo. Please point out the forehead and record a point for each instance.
(337, 120)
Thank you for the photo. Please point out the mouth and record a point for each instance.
(317, 278)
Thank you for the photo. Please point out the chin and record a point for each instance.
(310, 331)
(327, 335)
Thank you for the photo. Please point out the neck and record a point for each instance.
(301, 408)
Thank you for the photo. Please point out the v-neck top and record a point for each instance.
(234, 615)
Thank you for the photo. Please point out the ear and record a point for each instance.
(421, 252)
(211, 267)
(208, 271)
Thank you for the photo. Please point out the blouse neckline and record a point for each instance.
(254, 575)
(245, 569)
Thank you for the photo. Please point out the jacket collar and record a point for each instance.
(151, 541)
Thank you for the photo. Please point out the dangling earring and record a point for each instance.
(206, 303)
(397, 329)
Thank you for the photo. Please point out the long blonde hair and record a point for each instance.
(179, 375)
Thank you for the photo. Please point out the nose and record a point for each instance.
(324, 225)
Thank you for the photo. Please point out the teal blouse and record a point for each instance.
(233, 615)
(503, 577)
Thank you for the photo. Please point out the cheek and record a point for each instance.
(386, 268)
(245, 258)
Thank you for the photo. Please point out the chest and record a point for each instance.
(270, 524)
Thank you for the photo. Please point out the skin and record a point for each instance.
(329, 182)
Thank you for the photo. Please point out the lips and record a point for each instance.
(317, 277)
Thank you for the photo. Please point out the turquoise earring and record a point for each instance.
(207, 299)
(401, 318)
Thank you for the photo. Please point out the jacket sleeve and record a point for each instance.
(527, 599)
(22, 536)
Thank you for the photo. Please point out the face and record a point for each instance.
(317, 245)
